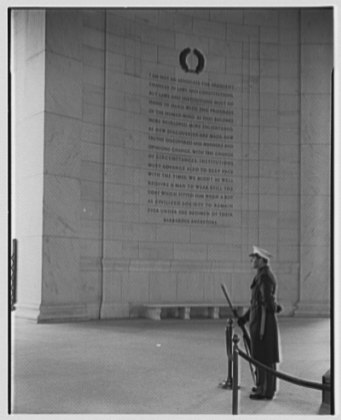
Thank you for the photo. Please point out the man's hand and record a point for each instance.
(279, 308)
(241, 321)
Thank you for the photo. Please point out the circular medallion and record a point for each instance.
(189, 67)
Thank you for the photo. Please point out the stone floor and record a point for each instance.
(155, 367)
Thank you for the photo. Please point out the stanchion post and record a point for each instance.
(228, 335)
(14, 270)
(228, 339)
(235, 378)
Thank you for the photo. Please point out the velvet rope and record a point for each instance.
(284, 376)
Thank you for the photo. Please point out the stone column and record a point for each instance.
(28, 94)
(316, 70)
(47, 130)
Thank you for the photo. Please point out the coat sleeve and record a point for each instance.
(267, 290)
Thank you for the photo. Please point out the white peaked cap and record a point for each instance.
(261, 252)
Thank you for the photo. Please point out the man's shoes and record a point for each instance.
(257, 396)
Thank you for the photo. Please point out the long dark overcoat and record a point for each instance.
(263, 290)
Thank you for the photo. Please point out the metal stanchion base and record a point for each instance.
(226, 384)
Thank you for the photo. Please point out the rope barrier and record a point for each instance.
(14, 270)
(284, 376)
(235, 380)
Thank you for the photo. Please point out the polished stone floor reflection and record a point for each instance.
(151, 367)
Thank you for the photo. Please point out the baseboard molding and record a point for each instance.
(113, 310)
(63, 313)
(29, 312)
(58, 313)
(72, 312)
(313, 309)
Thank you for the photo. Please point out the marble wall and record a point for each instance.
(92, 158)
(102, 254)
(315, 170)
(257, 51)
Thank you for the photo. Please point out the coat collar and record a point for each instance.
(259, 271)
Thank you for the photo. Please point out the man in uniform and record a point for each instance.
(263, 324)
